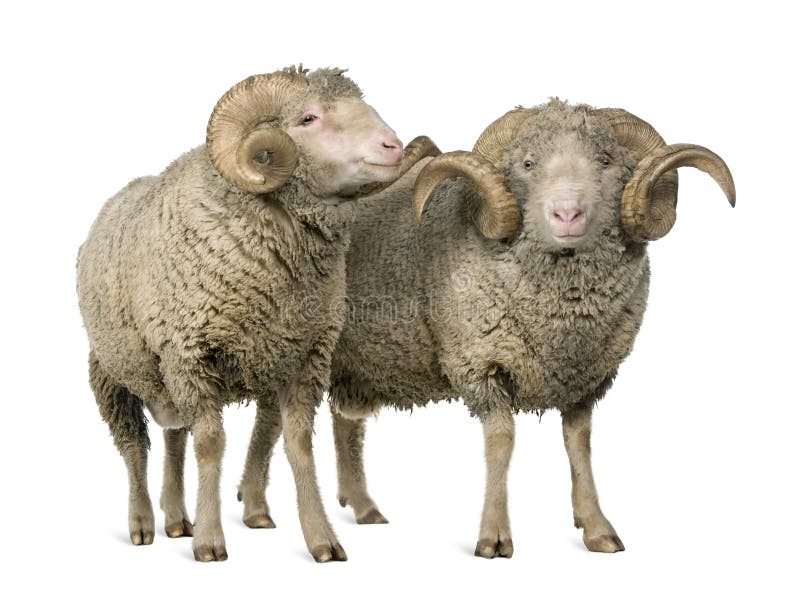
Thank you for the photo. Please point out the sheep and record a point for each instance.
(520, 289)
(192, 287)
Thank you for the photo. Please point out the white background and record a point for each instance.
(696, 444)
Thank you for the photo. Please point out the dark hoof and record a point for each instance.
(180, 529)
(608, 544)
(327, 553)
(210, 553)
(486, 548)
(343, 501)
(259, 521)
(372, 516)
(239, 495)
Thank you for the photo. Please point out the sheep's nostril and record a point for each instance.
(567, 216)
(391, 143)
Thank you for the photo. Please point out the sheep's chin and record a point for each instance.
(570, 240)
(580, 243)
(380, 173)
(358, 175)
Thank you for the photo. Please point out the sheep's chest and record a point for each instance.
(572, 325)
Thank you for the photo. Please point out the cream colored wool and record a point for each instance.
(438, 311)
(196, 294)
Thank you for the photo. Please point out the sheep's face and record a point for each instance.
(344, 144)
(568, 172)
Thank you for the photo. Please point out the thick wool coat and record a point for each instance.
(437, 311)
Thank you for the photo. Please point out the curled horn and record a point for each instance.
(420, 147)
(244, 148)
(650, 197)
(496, 138)
(495, 209)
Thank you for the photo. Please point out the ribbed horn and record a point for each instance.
(495, 209)
(646, 217)
(244, 148)
(496, 138)
(420, 147)
(641, 138)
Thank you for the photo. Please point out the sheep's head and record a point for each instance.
(312, 125)
(572, 174)
(568, 172)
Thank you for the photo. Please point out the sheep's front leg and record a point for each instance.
(349, 437)
(598, 534)
(252, 488)
(209, 444)
(495, 533)
(298, 407)
(176, 518)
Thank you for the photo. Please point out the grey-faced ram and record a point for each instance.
(521, 288)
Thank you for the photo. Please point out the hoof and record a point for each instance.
(179, 529)
(239, 496)
(607, 543)
(343, 501)
(327, 553)
(209, 553)
(142, 531)
(486, 548)
(259, 521)
(372, 516)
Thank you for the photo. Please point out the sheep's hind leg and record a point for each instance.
(598, 533)
(298, 406)
(495, 534)
(349, 437)
(176, 518)
(123, 413)
(254, 481)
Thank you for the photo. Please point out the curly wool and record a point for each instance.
(325, 84)
(195, 293)
(520, 324)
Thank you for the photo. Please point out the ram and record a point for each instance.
(519, 286)
(195, 285)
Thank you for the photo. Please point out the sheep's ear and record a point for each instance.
(495, 210)
(244, 148)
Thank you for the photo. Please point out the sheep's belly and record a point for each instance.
(559, 390)
(165, 414)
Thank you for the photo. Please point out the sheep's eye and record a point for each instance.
(605, 162)
(528, 164)
(308, 119)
